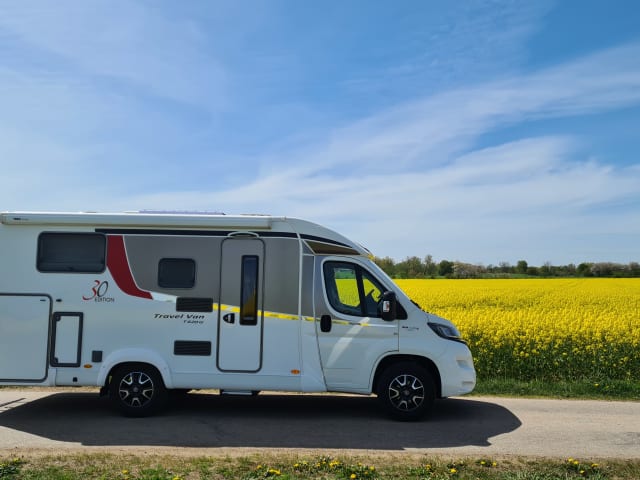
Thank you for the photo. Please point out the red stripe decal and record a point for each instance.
(118, 266)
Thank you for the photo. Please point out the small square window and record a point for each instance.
(177, 273)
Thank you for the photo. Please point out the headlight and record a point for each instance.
(445, 331)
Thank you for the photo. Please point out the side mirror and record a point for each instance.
(388, 306)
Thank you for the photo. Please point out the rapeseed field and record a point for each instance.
(542, 329)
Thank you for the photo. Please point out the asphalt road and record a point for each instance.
(57, 421)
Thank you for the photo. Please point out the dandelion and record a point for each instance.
(453, 470)
(353, 475)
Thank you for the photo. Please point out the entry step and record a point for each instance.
(247, 393)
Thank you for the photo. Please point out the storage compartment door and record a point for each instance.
(66, 339)
(24, 334)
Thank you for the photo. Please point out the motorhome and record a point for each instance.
(149, 303)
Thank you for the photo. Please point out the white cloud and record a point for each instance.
(400, 181)
(124, 41)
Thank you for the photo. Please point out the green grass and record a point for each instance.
(579, 389)
(289, 467)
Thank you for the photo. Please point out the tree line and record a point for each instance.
(415, 267)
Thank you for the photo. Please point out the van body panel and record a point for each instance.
(238, 303)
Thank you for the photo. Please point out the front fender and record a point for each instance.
(134, 355)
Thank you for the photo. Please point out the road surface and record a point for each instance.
(53, 421)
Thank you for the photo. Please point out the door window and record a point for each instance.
(352, 290)
(249, 290)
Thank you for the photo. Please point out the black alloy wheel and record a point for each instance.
(407, 391)
(137, 390)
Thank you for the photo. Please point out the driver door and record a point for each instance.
(352, 335)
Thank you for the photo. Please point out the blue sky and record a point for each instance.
(479, 131)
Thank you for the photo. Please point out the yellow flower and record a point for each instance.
(125, 472)
(453, 470)
(353, 475)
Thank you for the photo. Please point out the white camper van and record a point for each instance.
(143, 304)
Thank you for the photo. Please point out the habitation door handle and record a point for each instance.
(230, 318)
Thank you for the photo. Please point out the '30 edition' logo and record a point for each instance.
(99, 292)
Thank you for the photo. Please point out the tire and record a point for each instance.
(406, 391)
(137, 390)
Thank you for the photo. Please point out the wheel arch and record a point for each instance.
(127, 356)
(424, 362)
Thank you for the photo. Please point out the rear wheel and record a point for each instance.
(137, 390)
(407, 391)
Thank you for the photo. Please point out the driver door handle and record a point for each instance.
(230, 318)
(325, 323)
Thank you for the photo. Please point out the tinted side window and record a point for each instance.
(352, 290)
(249, 290)
(71, 252)
(177, 273)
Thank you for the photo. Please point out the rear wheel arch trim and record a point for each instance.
(121, 357)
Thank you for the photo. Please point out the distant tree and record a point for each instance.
(545, 270)
(387, 264)
(505, 267)
(584, 270)
(410, 267)
(466, 270)
(534, 271)
(430, 267)
(522, 266)
(445, 267)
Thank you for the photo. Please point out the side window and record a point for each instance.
(372, 294)
(352, 290)
(176, 273)
(249, 290)
(71, 252)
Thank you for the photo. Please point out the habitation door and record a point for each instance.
(240, 316)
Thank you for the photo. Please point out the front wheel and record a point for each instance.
(406, 391)
(137, 390)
